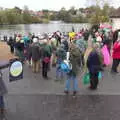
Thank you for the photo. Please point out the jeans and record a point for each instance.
(1, 102)
(68, 83)
(59, 72)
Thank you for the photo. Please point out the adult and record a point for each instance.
(66, 45)
(94, 66)
(46, 56)
(35, 55)
(5, 38)
(72, 75)
(107, 40)
(11, 44)
(82, 45)
(116, 55)
(115, 35)
(19, 47)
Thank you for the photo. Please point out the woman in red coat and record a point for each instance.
(116, 55)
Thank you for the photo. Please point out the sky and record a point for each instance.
(50, 4)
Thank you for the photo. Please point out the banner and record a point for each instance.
(15, 70)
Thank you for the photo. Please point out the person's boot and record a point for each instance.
(74, 93)
(66, 92)
(2, 111)
(114, 71)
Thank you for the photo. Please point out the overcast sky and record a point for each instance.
(49, 4)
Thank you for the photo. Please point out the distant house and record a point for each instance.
(32, 13)
(40, 13)
(115, 19)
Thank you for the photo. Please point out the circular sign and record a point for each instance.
(16, 68)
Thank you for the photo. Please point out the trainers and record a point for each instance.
(92, 88)
(2, 111)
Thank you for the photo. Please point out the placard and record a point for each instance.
(15, 70)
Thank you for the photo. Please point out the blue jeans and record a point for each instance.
(68, 83)
(1, 102)
(59, 72)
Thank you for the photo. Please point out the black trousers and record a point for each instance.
(115, 64)
(44, 69)
(94, 80)
(12, 49)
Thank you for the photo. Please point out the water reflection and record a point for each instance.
(39, 28)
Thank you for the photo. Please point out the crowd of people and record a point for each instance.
(87, 50)
(90, 50)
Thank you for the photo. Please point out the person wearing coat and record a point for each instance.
(66, 45)
(61, 55)
(72, 75)
(116, 55)
(3, 88)
(94, 66)
(46, 56)
(11, 43)
(19, 48)
(35, 55)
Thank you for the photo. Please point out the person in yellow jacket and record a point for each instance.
(71, 35)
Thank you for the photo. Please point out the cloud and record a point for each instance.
(42, 4)
(51, 4)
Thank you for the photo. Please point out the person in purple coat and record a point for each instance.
(94, 66)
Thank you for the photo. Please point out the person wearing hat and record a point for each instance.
(35, 55)
(19, 48)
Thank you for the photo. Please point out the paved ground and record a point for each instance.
(35, 84)
(34, 98)
(4, 52)
(59, 107)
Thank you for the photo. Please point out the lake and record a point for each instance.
(39, 28)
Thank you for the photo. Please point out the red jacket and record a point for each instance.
(116, 50)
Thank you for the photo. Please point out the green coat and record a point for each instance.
(74, 60)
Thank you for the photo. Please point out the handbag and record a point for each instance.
(86, 78)
(46, 59)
